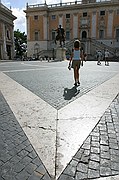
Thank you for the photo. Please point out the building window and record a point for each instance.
(8, 34)
(53, 35)
(36, 36)
(101, 34)
(67, 35)
(35, 17)
(102, 13)
(53, 17)
(85, 14)
(67, 16)
(117, 33)
(117, 11)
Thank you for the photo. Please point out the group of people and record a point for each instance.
(100, 56)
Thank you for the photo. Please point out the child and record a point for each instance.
(76, 61)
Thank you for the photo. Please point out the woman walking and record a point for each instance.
(76, 58)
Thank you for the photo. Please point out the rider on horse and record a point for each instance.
(60, 35)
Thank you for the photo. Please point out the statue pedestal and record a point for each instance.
(61, 53)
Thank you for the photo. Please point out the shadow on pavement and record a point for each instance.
(70, 93)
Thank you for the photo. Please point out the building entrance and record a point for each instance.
(84, 34)
(9, 51)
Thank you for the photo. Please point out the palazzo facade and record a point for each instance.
(7, 50)
(96, 24)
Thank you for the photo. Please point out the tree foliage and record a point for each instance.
(20, 39)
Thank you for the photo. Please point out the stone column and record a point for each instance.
(110, 23)
(75, 25)
(45, 27)
(4, 43)
(13, 45)
(93, 26)
(28, 27)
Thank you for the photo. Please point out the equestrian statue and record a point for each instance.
(60, 36)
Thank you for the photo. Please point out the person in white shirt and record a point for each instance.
(106, 57)
(76, 59)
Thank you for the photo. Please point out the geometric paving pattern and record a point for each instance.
(18, 159)
(98, 156)
(44, 80)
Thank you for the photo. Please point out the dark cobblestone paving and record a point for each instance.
(18, 159)
(99, 155)
(54, 83)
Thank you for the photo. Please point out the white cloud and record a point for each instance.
(20, 22)
(6, 3)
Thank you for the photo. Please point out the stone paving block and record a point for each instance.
(70, 170)
(18, 159)
(114, 158)
(103, 154)
(81, 175)
(82, 167)
(105, 162)
(47, 177)
(94, 165)
(22, 175)
(30, 168)
(105, 171)
(93, 173)
(65, 177)
(94, 157)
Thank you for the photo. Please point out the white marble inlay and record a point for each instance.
(36, 117)
(77, 119)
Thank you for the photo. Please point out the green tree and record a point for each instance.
(20, 39)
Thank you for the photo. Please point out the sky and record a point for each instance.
(17, 7)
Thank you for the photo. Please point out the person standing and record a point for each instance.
(107, 57)
(99, 57)
(76, 59)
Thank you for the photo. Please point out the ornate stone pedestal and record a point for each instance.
(61, 53)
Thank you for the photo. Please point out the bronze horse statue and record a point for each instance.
(60, 36)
